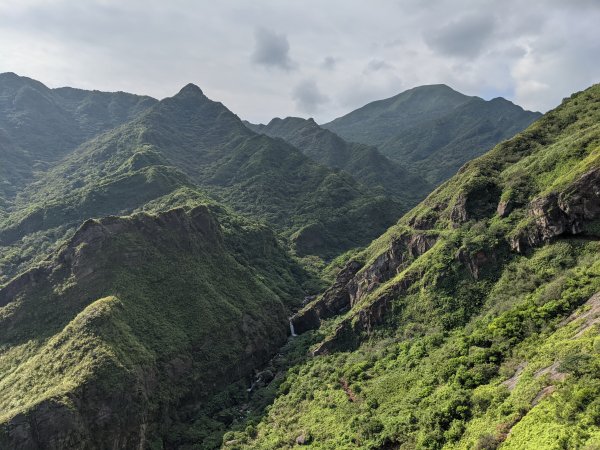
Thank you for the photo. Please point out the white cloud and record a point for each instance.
(535, 53)
(308, 97)
(466, 36)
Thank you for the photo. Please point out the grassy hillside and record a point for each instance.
(378, 121)
(39, 125)
(433, 130)
(149, 266)
(133, 317)
(189, 141)
(365, 163)
(470, 324)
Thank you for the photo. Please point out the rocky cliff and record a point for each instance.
(474, 221)
(133, 318)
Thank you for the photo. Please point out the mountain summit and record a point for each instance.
(190, 89)
(433, 130)
(171, 277)
(473, 322)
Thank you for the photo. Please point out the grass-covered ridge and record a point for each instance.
(39, 126)
(189, 141)
(473, 322)
(365, 163)
(135, 315)
(433, 130)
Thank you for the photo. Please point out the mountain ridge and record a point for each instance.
(181, 142)
(39, 125)
(365, 163)
(163, 284)
(433, 126)
(470, 310)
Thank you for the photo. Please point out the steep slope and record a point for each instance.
(438, 147)
(365, 163)
(133, 322)
(378, 121)
(39, 125)
(473, 322)
(186, 142)
(433, 130)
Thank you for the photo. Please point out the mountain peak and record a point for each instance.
(9, 75)
(14, 80)
(190, 89)
(435, 86)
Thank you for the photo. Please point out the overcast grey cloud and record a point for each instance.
(265, 58)
(329, 63)
(308, 97)
(376, 65)
(272, 49)
(465, 36)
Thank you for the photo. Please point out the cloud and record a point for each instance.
(466, 36)
(375, 65)
(272, 50)
(308, 97)
(329, 63)
(535, 52)
(393, 43)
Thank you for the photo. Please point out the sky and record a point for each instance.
(307, 58)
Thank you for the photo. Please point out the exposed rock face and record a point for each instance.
(475, 203)
(334, 300)
(98, 414)
(347, 334)
(561, 214)
(474, 262)
(552, 216)
(30, 278)
(400, 254)
(459, 213)
(352, 286)
(504, 208)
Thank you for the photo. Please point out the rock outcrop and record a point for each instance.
(355, 281)
(126, 402)
(559, 214)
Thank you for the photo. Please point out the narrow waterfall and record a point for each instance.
(292, 329)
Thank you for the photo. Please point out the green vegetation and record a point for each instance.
(38, 126)
(433, 130)
(469, 344)
(363, 162)
(422, 386)
(151, 261)
(180, 300)
(191, 142)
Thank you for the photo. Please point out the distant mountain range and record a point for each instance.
(433, 130)
(365, 163)
(38, 125)
(174, 277)
(181, 143)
